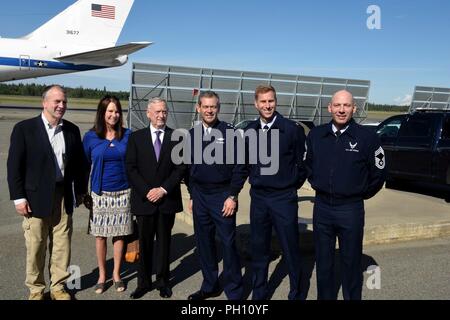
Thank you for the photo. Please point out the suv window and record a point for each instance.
(243, 124)
(417, 127)
(446, 129)
(390, 129)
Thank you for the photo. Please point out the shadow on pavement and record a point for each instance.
(189, 265)
(181, 244)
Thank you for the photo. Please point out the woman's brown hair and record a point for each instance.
(100, 125)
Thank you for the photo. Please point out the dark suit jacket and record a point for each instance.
(145, 173)
(31, 166)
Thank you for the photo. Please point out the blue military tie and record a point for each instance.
(157, 145)
(266, 127)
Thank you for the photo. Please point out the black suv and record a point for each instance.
(417, 147)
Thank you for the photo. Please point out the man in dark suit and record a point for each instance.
(45, 160)
(155, 196)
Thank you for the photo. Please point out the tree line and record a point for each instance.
(80, 92)
(386, 107)
(36, 90)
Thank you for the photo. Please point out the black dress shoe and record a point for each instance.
(139, 293)
(165, 292)
(201, 295)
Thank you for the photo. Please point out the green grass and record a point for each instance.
(384, 113)
(381, 115)
(92, 104)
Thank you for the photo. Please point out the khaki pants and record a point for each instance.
(58, 229)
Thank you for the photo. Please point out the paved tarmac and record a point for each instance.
(391, 216)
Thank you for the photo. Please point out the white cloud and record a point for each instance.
(404, 101)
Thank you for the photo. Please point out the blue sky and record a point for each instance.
(320, 38)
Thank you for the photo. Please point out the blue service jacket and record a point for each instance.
(347, 168)
(291, 172)
(211, 177)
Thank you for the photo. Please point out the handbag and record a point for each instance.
(88, 203)
(132, 245)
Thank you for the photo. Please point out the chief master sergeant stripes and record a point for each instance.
(346, 165)
(213, 209)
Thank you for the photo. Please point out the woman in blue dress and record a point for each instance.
(105, 145)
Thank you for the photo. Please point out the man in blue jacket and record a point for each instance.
(274, 201)
(346, 165)
(214, 210)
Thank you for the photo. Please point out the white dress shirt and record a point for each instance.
(333, 127)
(206, 130)
(161, 139)
(161, 135)
(263, 124)
(56, 139)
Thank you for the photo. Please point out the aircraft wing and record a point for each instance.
(105, 57)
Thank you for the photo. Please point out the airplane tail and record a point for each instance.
(89, 24)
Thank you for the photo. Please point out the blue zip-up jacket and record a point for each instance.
(291, 173)
(94, 148)
(214, 177)
(347, 168)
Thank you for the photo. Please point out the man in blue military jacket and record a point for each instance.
(213, 208)
(274, 200)
(346, 165)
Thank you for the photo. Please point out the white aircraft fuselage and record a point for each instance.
(22, 59)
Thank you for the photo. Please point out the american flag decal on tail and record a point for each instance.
(103, 11)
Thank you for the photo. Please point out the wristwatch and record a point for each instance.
(234, 198)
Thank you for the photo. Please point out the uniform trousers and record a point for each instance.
(278, 209)
(346, 222)
(208, 220)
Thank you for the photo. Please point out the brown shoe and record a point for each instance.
(36, 296)
(60, 295)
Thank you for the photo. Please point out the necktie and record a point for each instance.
(157, 145)
(266, 127)
(338, 133)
